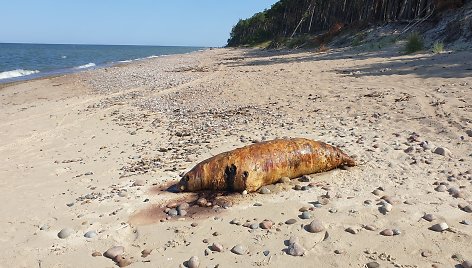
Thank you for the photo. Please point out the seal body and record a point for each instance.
(250, 167)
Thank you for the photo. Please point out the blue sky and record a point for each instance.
(140, 22)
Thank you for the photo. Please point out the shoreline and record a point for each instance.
(88, 154)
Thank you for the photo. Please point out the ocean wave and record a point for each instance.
(124, 61)
(88, 65)
(16, 73)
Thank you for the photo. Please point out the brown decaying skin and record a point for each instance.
(250, 167)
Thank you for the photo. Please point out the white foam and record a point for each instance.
(16, 73)
(85, 66)
(125, 61)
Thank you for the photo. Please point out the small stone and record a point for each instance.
(315, 226)
(387, 232)
(183, 206)
(146, 252)
(297, 187)
(122, 262)
(442, 151)
(112, 252)
(239, 250)
(373, 265)
(467, 208)
(182, 212)
(339, 251)
(426, 253)
(139, 182)
(194, 224)
(304, 178)
(96, 254)
(258, 204)
(370, 227)
(202, 202)
(290, 221)
(439, 227)
(173, 212)
(467, 264)
(90, 234)
(305, 215)
(266, 253)
(264, 190)
(429, 217)
(64, 233)
(254, 226)
(194, 262)
(469, 132)
(266, 224)
(217, 247)
(244, 192)
(235, 221)
(466, 222)
(295, 249)
(441, 188)
(396, 232)
(351, 230)
(387, 207)
(45, 227)
(377, 192)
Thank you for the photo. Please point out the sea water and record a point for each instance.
(28, 61)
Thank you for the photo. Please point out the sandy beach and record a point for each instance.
(89, 157)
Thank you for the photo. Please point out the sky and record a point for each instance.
(133, 22)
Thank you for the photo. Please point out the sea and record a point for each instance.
(28, 61)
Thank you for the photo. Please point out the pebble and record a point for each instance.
(139, 182)
(146, 252)
(442, 151)
(90, 234)
(305, 215)
(370, 227)
(441, 188)
(429, 217)
(235, 221)
(173, 212)
(295, 249)
(466, 222)
(217, 247)
(387, 207)
(244, 192)
(351, 230)
(377, 192)
(112, 252)
(397, 232)
(266, 253)
(439, 227)
(182, 212)
(254, 226)
(122, 262)
(45, 227)
(290, 221)
(387, 232)
(193, 262)
(64, 233)
(96, 254)
(373, 265)
(315, 226)
(467, 264)
(264, 190)
(183, 206)
(239, 250)
(426, 253)
(339, 251)
(266, 224)
(194, 224)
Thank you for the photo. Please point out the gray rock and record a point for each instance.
(315, 226)
(373, 265)
(64, 233)
(441, 188)
(467, 264)
(442, 151)
(139, 182)
(469, 132)
(217, 247)
(112, 252)
(305, 215)
(440, 227)
(90, 234)
(193, 262)
(264, 190)
(173, 212)
(295, 249)
(466, 222)
(396, 232)
(387, 232)
(429, 217)
(239, 250)
(386, 208)
(254, 226)
(182, 212)
(290, 221)
(351, 230)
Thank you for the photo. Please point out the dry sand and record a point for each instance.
(92, 152)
